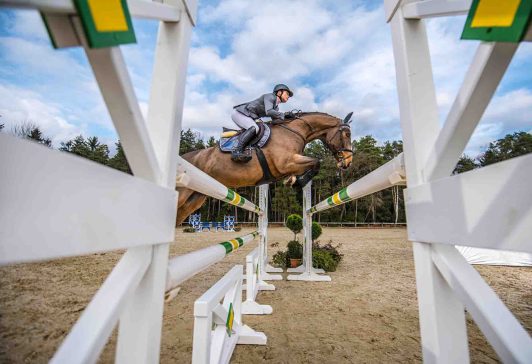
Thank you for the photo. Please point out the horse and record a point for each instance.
(283, 154)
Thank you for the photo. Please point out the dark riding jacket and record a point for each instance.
(265, 105)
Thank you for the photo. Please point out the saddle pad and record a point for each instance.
(227, 144)
(228, 134)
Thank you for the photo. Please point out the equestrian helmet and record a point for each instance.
(281, 87)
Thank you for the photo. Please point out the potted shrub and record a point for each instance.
(295, 253)
(295, 223)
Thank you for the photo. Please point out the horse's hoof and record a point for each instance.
(290, 181)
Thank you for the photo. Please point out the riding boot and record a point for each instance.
(237, 154)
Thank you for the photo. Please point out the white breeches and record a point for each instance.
(243, 121)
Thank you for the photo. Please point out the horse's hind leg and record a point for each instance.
(189, 201)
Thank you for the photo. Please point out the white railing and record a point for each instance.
(217, 345)
(95, 208)
(253, 285)
(487, 208)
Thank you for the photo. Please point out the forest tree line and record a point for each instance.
(385, 206)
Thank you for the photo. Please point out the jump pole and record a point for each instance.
(390, 174)
(182, 267)
(191, 177)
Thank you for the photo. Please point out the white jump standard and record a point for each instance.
(264, 267)
(215, 346)
(253, 285)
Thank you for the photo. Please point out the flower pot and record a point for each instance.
(294, 263)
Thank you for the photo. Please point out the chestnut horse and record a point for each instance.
(284, 154)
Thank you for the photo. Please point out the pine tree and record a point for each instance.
(119, 160)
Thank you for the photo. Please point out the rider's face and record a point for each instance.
(284, 96)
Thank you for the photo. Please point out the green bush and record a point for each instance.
(295, 249)
(316, 230)
(189, 229)
(295, 223)
(280, 259)
(329, 248)
(324, 260)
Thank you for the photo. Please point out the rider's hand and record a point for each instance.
(289, 115)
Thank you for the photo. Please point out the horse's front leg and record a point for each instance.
(302, 169)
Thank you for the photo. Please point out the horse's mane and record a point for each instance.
(316, 113)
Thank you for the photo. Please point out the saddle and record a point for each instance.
(228, 140)
(229, 137)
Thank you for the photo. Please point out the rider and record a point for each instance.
(244, 115)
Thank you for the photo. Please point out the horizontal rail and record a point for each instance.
(55, 204)
(189, 176)
(183, 267)
(90, 333)
(390, 174)
(490, 207)
(435, 8)
(137, 8)
(205, 304)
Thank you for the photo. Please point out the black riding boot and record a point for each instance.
(237, 154)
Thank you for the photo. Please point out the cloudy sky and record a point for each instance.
(337, 56)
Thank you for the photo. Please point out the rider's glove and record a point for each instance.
(289, 115)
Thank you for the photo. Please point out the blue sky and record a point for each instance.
(337, 56)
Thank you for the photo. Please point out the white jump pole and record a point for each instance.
(218, 326)
(191, 177)
(183, 267)
(264, 268)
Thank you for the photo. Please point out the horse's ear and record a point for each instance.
(347, 119)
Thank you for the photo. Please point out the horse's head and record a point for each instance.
(338, 140)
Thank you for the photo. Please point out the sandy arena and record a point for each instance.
(367, 314)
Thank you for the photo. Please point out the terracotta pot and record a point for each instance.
(294, 263)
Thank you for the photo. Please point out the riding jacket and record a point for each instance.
(265, 105)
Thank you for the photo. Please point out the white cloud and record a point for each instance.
(18, 106)
(513, 108)
(336, 56)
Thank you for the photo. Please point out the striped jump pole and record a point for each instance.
(390, 174)
(183, 267)
(191, 177)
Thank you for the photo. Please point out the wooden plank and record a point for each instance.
(441, 315)
(89, 335)
(117, 90)
(435, 8)
(489, 207)
(509, 339)
(482, 79)
(55, 204)
(138, 8)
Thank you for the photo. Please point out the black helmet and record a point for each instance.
(282, 86)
